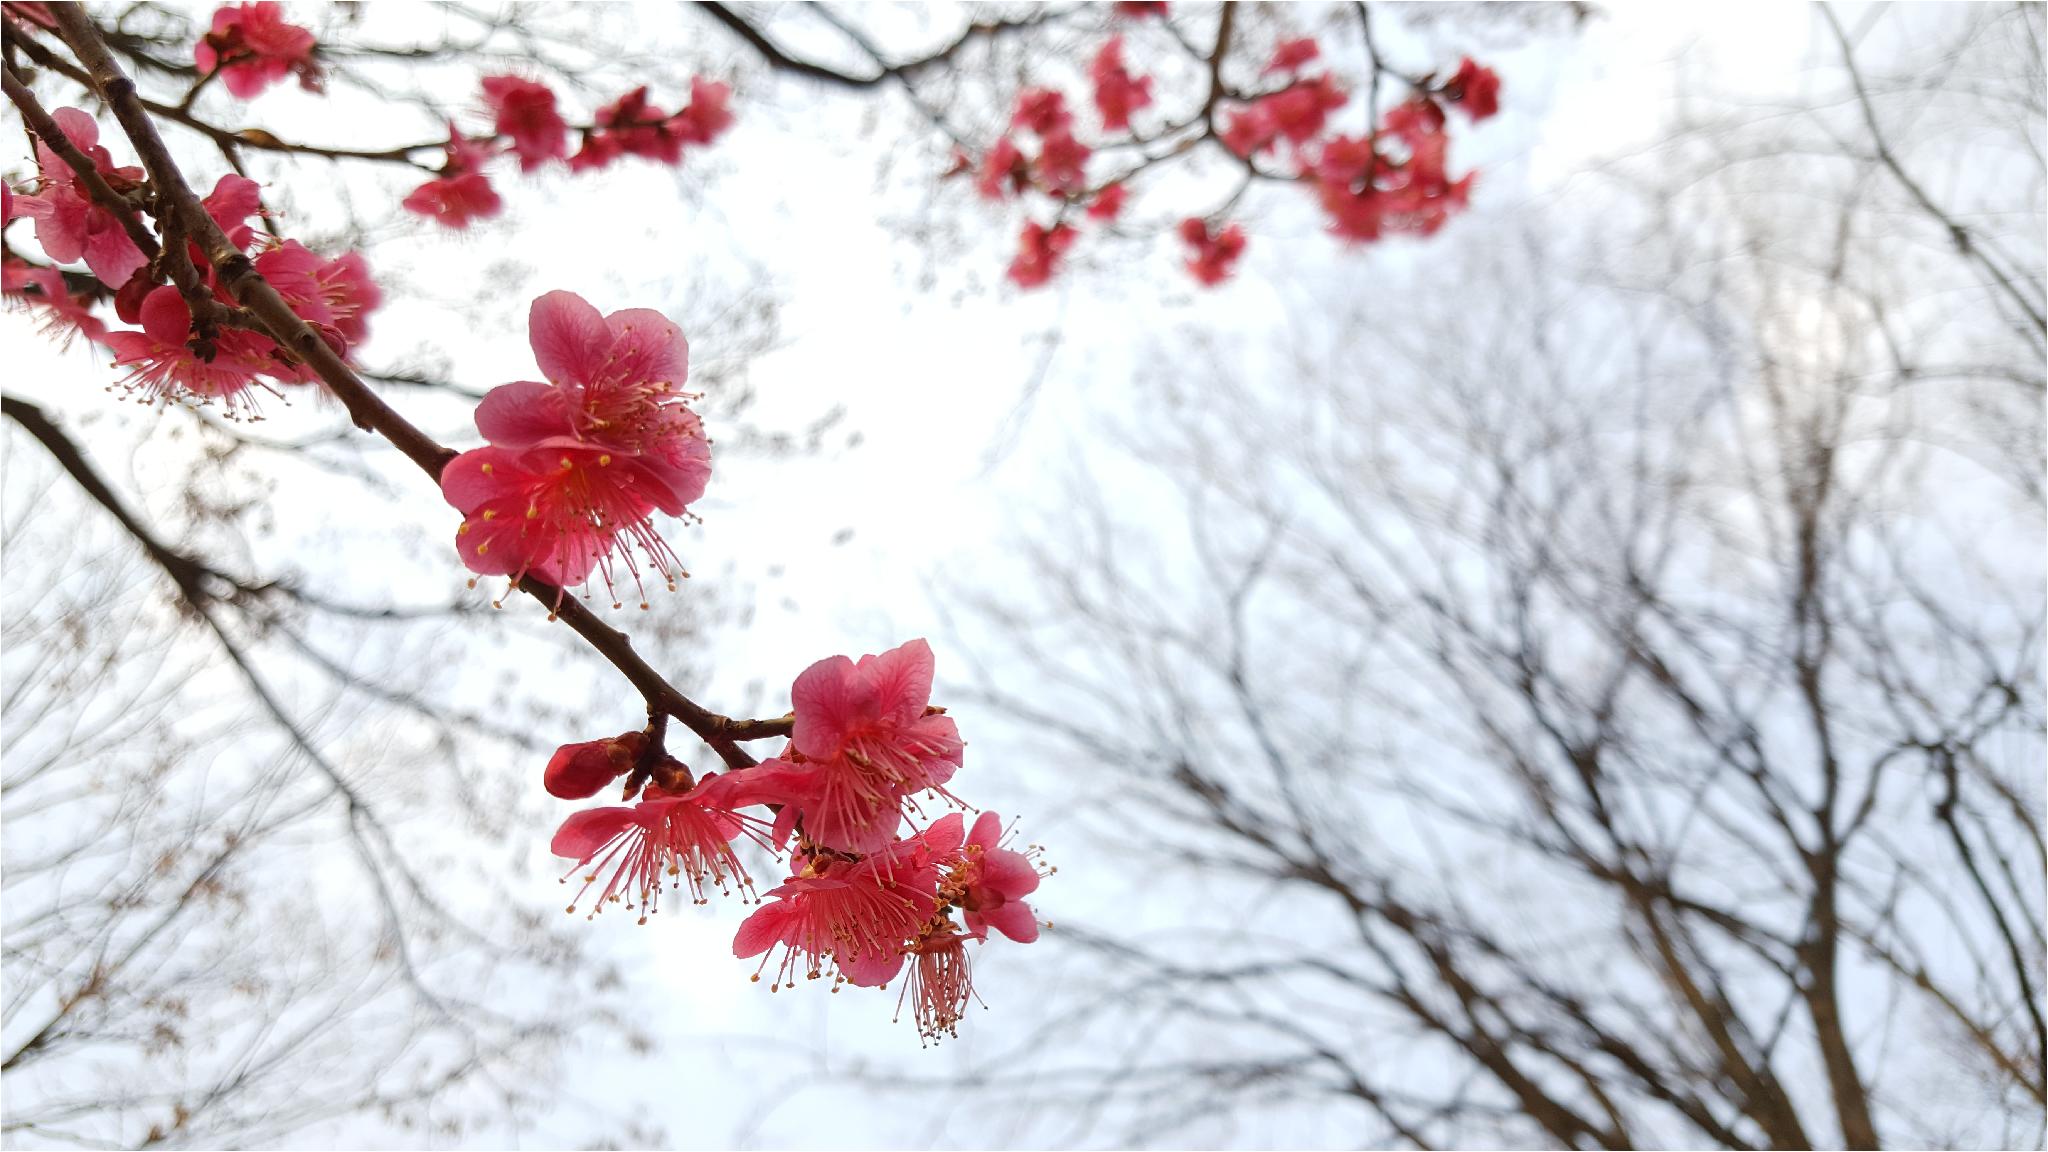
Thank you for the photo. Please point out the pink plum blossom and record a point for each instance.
(664, 840)
(233, 200)
(855, 918)
(1290, 55)
(1370, 192)
(1043, 111)
(1117, 92)
(334, 295)
(1108, 203)
(69, 224)
(558, 514)
(43, 290)
(861, 743)
(708, 114)
(253, 48)
(461, 193)
(577, 466)
(992, 881)
(524, 111)
(614, 383)
(1003, 171)
(166, 364)
(873, 713)
(1062, 164)
(1214, 254)
(634, 126)
(1474, 90)
(1039, 250)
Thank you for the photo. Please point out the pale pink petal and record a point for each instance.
(671, 486)
(848, 825)
(763, 930)
(943, 837)
(27, 204)
(523, 414)
(479, 476)
(769, 782)
(901, 680)
(868, 969)
(572, 558)
(721, 791)
(988, 829)
(111, 255)
(63, 224)
(1008, 873)
(1012, 919)
(646, 347)
(233, 200)
(80, 127)
(569, 338)
(936, 740)
(129, 346)
(822, 698)
(582, 835)
(785, 825)
(498, 547)
(246, 81)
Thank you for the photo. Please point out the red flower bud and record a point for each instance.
(580, 771)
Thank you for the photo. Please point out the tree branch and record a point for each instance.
(238, 276)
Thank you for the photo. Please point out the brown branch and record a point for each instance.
(225, 138)
(1945, 813)
(782, 61)
(239, 277)
(1964, 240)
(190, 575)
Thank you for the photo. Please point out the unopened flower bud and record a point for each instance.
(580, 771)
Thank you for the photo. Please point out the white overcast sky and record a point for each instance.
(931, 381)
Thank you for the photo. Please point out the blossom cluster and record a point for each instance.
(1393, 180)
(1042, 154)
(251, 47)
(868, 897)
(1390, 180)
(173, 352)
(527, 122)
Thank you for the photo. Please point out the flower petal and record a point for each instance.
(901, 680)
(586, 833)
(79, 126)
(111, 255)
(1013, 919)
(646, 347)
(869, 969)
(763, 930)
(1008, 873)
(823, 700)
(569, 338)
(988, 829)
(166, 317)
(478, 476)
(942, 838)
(673, 485)
(523, 414)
